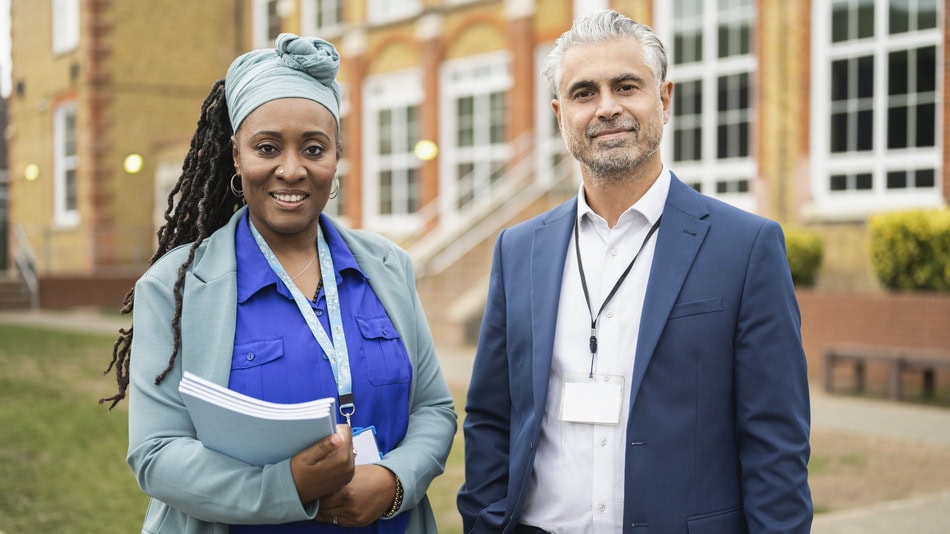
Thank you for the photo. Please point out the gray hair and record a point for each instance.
(600, 27)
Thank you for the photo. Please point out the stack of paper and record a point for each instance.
(255, 431)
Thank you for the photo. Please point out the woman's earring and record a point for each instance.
(335, 190)
(234, 189)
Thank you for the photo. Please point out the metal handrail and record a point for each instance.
(446, 244)
(25, 260)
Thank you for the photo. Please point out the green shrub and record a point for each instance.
(805, 250)
(910, 250)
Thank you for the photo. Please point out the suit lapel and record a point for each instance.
(548, 250)
(678, 240)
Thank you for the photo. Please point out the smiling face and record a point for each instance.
(298, 136)
(610, 111)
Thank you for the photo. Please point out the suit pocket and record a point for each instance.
(730, 521)
(696, 307)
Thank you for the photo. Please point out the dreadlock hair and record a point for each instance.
(205, 203)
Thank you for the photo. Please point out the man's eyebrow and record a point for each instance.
(581, 84)
(590, 84)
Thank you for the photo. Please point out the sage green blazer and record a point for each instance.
(195, 490)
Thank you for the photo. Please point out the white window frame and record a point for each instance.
(709, 170)
(336, 206)
(551, 154)
(400, 90)
(308, 18)
(65, 25)
(857, 205)
(63, 215)
(260, 23)
(386, 11)
(477, 76)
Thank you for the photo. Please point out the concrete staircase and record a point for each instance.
(13, 296)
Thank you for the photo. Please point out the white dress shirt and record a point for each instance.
(577, 485)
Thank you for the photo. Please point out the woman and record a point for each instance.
(253, 287)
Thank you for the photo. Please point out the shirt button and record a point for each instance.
(601, 507)
(603, 442)
(613, 252)
(610, 314)
(250, 356)
(319, 313)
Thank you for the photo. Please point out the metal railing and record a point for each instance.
(25, 261)
(450, 241)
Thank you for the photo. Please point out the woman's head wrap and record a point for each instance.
(299, 67)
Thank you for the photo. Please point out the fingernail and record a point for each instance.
(336, 439)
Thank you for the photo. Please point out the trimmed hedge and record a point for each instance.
(805, 250)
(910, 250)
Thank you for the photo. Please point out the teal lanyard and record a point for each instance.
(336, 353)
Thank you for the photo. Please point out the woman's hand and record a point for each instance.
(325, 467)
(361, 502)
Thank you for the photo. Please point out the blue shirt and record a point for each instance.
(277, 359)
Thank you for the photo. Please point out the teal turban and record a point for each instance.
(299, 67)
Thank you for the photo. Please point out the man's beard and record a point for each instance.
(612, 161)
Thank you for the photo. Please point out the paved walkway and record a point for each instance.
(922, 515)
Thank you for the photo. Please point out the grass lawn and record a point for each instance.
(62, 455)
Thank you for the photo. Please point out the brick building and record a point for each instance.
(813, 112)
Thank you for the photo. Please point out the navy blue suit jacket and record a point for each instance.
(718, 427)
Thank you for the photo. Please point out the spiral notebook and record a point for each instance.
(254, 431)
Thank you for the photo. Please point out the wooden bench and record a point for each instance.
(897, 360)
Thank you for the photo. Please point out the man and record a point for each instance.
(639, 366)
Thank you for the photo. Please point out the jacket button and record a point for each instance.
(250, 356)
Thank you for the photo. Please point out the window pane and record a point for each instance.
(863, 182)
(865, 77)
(925, 178)
(466, 121)
(897, 73)
(839, 132)
(70, 134)
(413, 191)
(896, 180)
(273, 21)
(839, 182)
(385, 124)
(926, 69)
(926, 14)
(386, 193)
(839, 79)
(899, 20)
(412, 126)
(897, 127)
(499, 117)
(926, 125)
(839, 22)
(865, 129)
(865, 19)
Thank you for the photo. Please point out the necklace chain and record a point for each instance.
(294, 277)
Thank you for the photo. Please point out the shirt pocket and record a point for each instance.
(247, 364)
(385, 360)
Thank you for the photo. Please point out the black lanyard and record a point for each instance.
(580, 267)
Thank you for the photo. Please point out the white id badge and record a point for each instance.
(594, 400)
(364, 445)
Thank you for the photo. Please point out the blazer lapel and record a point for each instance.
(548, 250)
(210, 307)
(678, 240)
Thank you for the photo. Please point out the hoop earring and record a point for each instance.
(234, 190)
(335, 190)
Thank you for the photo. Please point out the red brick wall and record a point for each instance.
(104, 292)
(905, 320)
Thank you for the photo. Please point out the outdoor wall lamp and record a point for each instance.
(31, 172)
(132, 164)
(426, 150)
